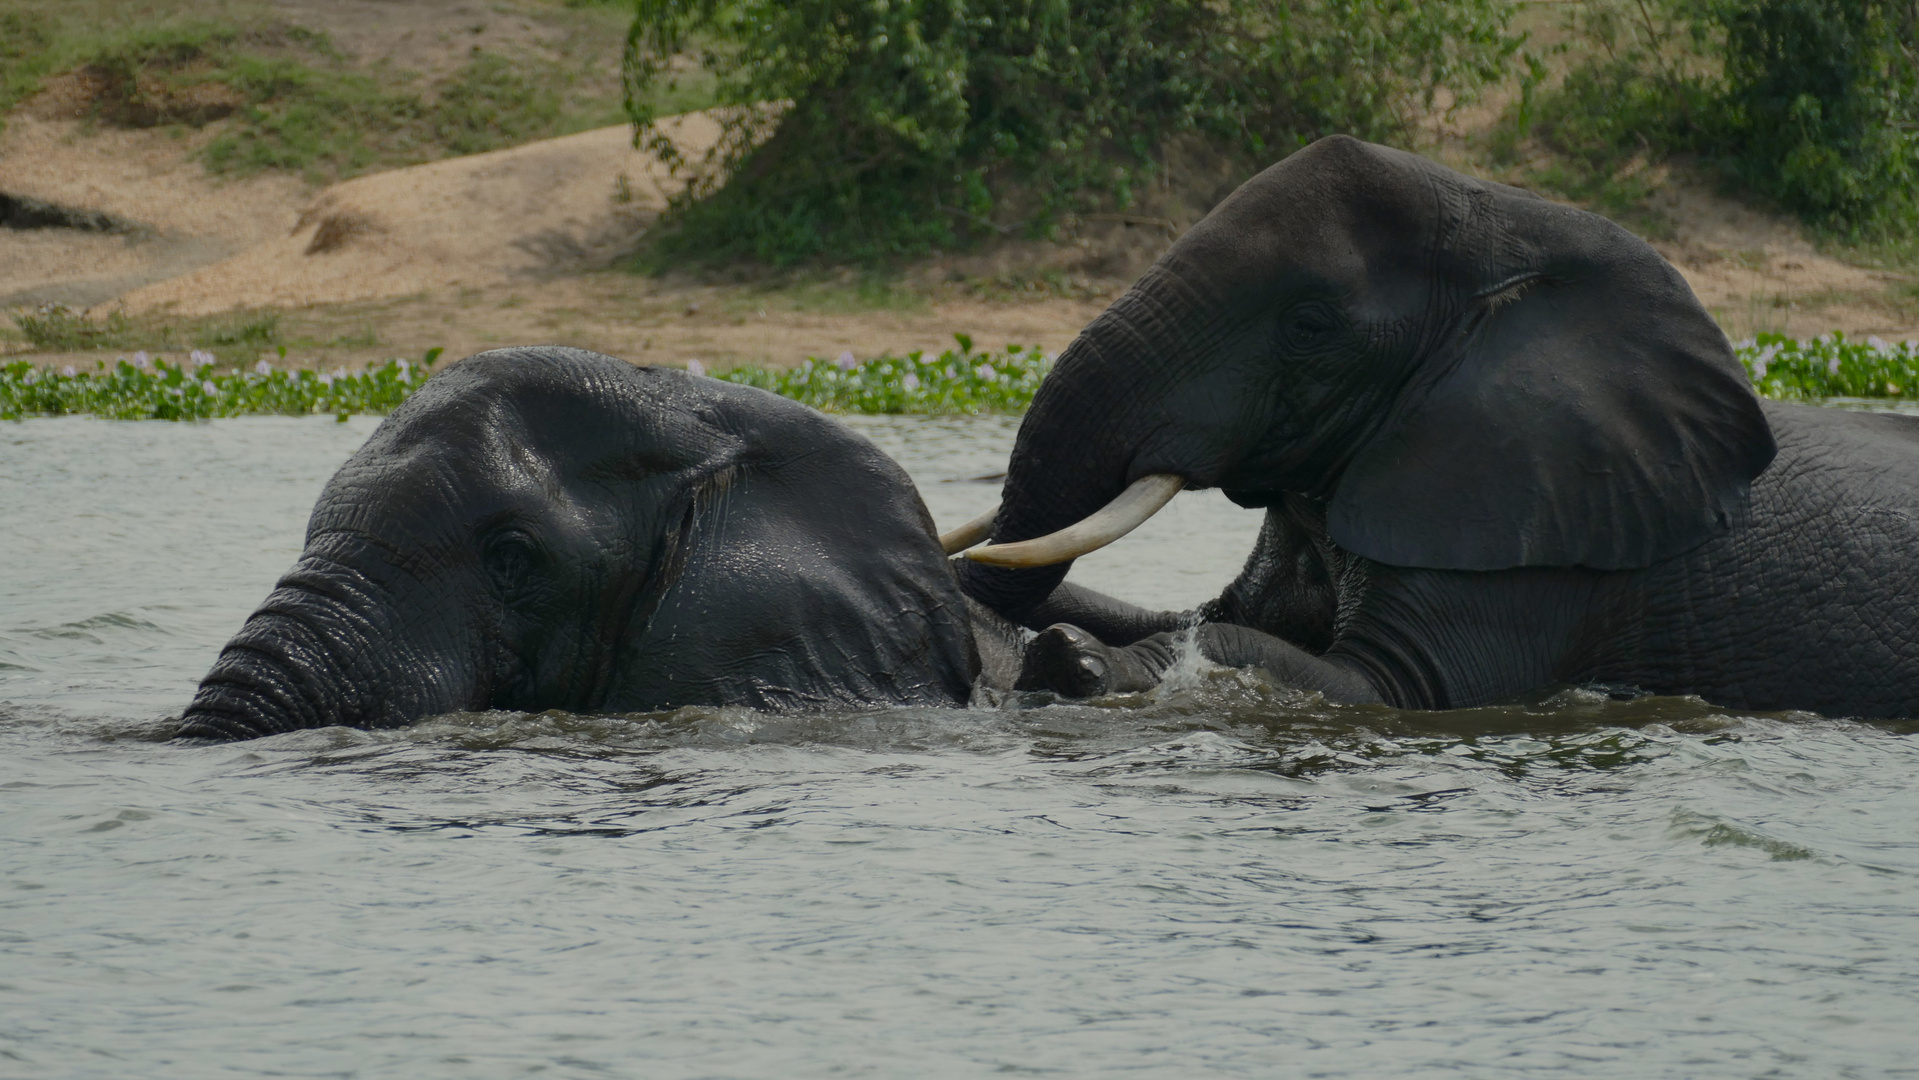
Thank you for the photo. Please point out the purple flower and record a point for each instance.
(208, 387)
(141, 360)
(695, 368)
(1832, 365)
(200, 357)
(68, 371)
(1878, 342)
(910, 383)
(263, 368)
(845, 361)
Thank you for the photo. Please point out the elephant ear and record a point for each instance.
(1590, 413)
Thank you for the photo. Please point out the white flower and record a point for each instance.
(845, 361)
(1742, 346)
(1832, 365)
(695, 368)
(986, 373)
(208, 387)
(68, 371)
(200, 357)
(910, 383)
(263, 368)
(1878, 342)
(325, 379)
(141, 360)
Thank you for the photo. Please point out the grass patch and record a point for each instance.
(288, 99)
(143, 389)
(231, 338)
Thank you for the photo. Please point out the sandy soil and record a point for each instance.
(511, 246)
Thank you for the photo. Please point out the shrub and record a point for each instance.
(1814, 103)
(1819, 106)
(866, 128)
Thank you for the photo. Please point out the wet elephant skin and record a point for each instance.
(551, 528)
(1501, 446)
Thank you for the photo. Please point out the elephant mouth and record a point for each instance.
(1128, 511)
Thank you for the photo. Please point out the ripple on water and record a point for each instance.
(1221, 876)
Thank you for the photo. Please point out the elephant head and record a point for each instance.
(551, 528)
(1468, 376)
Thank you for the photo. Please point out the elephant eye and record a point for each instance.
(510, 557)
(1308, 327)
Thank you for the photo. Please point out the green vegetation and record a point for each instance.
(1830, 366)
(232, 338)
(958, 381)
(910, 125)
(144, 389)
(25, 41)
(288, 99)
(1812, 103)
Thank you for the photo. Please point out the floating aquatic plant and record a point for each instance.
(141, 387)
(1830, 366)
(958, 381)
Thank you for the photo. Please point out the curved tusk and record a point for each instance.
(971, 533)
(1138, 502)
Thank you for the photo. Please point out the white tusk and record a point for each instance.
(971, 533)
(1138, 502)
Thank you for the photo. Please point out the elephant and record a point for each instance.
(1499, 444)
(550, 528)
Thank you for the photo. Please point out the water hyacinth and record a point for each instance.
(1830, 366)
(188, 391)
(958, 381)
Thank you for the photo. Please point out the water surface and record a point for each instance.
(1224, 877)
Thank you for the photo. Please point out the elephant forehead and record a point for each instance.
(1341, 215)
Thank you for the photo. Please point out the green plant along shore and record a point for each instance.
(957, 382)
(145, 389)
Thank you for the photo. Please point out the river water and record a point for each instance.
(1221, 878)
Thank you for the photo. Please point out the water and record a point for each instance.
(1224, 878)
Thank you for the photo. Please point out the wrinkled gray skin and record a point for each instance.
(1501, 447)
(551, 528)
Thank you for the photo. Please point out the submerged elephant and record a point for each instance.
(552, 528)
(1501, 446)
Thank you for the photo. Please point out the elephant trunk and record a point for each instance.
(314, 656)
(1090, 435)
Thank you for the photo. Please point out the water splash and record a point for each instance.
(1190, 668)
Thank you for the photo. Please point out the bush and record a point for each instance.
(1814, 103)
(866, 128)
(1819, 105)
